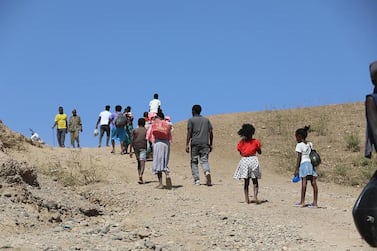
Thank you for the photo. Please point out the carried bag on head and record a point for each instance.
(161, 129)
(121, 121)
(315, 158)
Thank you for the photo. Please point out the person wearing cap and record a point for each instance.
(75, 127)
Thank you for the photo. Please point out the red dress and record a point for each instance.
(248, 167)
(248, 147)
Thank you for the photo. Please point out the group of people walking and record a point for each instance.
(153, 135)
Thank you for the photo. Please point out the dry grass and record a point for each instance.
(337, 132)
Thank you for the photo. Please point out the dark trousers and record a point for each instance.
(104, 129)
(61, 136)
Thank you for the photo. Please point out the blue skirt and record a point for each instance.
(306, 168)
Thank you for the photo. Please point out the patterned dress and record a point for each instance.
(248, 166)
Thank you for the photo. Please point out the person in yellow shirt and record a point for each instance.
(61, 124)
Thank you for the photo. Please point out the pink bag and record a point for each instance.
(161, 129)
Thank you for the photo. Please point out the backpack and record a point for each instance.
(315, 158)
(120, 121)
(161, 129)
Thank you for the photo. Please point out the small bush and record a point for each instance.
(353, 142)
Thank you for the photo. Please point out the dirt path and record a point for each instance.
(193, 215)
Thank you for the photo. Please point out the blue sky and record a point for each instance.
(228, 56)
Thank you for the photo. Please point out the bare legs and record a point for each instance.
(313, 181)
(246, 190)
(140, 170)
(168, 180)
(113, 146)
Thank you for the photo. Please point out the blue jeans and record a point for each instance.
(199, 152)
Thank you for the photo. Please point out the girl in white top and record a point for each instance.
(304, 167)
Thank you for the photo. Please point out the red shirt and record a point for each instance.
(248, 147)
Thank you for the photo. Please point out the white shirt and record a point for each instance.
(34, 137)
(105, 115)
(154, 104)
(304, 149)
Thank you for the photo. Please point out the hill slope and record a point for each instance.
(89, 199)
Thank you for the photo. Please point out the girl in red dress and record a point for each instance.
(249, 167)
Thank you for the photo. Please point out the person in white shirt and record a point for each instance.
(35, 137)
(103, 121)
(154, 104)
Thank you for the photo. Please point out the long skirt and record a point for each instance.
(161, 152)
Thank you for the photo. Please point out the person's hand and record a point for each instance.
(131, 153)
(210, 148)
(187, 149)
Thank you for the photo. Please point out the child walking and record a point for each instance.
(248, 166)
(304, 167)
(139, 144)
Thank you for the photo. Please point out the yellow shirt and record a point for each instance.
(61, 120)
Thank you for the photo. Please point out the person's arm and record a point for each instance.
(371, 113)
(259, 148)
(55, 123)
(188, 139)
(98, 120)
(210, 139)
(66, 125)
(132, 144)
(298, 163)
(80, 125)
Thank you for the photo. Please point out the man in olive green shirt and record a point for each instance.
(75, 127)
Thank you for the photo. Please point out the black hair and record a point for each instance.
(160, 114)
(155, 96)
(197, 109)
(141, 122)
(107, 108)
(303, 132)
(247, 131)
(118, 108)
(145, 114)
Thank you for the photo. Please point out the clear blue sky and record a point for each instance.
(228, 56)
